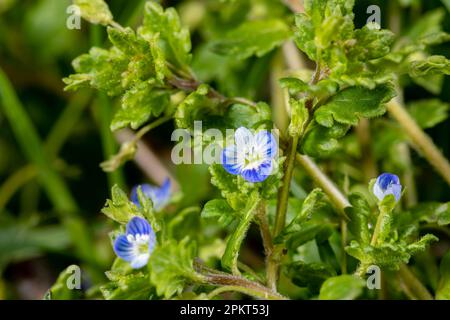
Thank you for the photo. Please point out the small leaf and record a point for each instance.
(256, 37)
(430, 66)
(359, 214)
(119, 208)
(95, 11)
(219, 209)
(321, 141)
(348, 105)
(344, 287)
(173, 39)
(171, 267)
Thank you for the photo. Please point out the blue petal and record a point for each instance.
(386, 179)
(124, 249)
(243, 137)
(387, 183)
(229, 160)
(265, 140)
(253, 175)
(396, 190)
(138, 225)
(161, 195)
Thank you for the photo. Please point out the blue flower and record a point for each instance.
(137, 244)
(252, 155)
(159, 196)
(387, 183)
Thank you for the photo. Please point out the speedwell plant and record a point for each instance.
(290, 171)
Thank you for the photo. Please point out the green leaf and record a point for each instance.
(139, 104)
(119, 208)
(233, 189)
(173, 39)
(344, 287)
(388, 255)
(312, 203)
(350, 104)
(430, 66)
(321, 141)
(311, 275)
(359, 214)
(60, 290)
(95, 11)
(171, 267)
(256, 37)
(443, 289)
(196, 106)
(428, 113)
(240, 115)
(299, 117)
(101, 69)
(230, 256)
(219, 209)
(127, 284)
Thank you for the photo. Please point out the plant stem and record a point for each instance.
(413, 284)
(273, 260)
(420, 139)
(261, 219)
(241, 285)
(230, 256)
(262, 294)
(377, 229)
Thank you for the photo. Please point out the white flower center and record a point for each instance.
(140, 243)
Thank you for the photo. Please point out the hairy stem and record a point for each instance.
(230, 256)
(263, 223)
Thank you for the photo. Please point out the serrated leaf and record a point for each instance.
(321, 141)
(430, 66)
(256, 37)
(359, 214)
(127, 286)
(194, 107)
(428, 113)
(101, 69)
(139, 104)
(230, 256)
(119, 207)
(351, 104)
(171, 266)
(219, 209)
(173, 39)
(388, 255)
(95, 11)
(344, 287)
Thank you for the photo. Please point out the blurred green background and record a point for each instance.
(51, 142)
